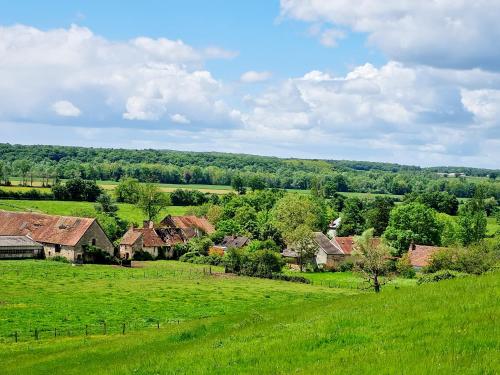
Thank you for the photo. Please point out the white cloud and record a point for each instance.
(444, 33)
(180, 119)
(66, 108)
(140, 79)
(483, 104)
(253, 76)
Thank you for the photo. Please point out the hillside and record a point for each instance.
(271, 327)
(50, 163)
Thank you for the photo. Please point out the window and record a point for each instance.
(57, 248)
(93, 241)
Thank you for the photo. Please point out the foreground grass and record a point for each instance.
(446, 328)
(48, 296)
(126, 211)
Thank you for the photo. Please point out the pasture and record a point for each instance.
(231, 325)
(126, 211)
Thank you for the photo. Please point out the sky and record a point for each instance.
(411, 82)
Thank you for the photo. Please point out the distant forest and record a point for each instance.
(212, 168)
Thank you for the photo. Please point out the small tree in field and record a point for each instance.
(151, 200)
(372, 260)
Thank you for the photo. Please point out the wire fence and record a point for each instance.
(86, 330)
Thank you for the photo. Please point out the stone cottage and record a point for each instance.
(65, 236)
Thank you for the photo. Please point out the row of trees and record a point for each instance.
(49, 163)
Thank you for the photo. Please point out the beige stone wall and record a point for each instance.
(65, 251)
(101, 240)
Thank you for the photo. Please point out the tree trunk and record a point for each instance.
(376, 284)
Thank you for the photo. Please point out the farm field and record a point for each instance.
(126, 211)
(234, 325)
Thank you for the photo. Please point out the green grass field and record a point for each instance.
(492, 227)
(126, 211)
(229, 325)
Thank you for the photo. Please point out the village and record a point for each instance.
(41, 236)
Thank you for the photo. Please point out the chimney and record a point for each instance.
(148, 224)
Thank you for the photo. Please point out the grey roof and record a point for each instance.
(18, 241)
(234, 241)
(326, 245)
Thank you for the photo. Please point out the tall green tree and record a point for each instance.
(378, 213)
(472, 221)
(412, 222)
(353, 219)
(151, 201)
(237, 184)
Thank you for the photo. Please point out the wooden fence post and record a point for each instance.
(104, 327)
(36, 333)
(15, 335)
(158, 324)
(123, 329)
(86, 329)
(55, 332)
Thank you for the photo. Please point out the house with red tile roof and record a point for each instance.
(151, 239)
(420, 255)
(191, 226)
(65, 236)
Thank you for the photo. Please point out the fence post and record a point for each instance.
(15, 335)
(158, 324)
(36, 333)
(210, 270)
(86, 329)
(123, 329)
(104, 327)
(55, 332)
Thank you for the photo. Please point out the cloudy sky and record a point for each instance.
(415, 82)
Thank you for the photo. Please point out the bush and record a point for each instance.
(58, 258)
(475, 259)
(30, 194)
(188, 256)
(142, 255)
(404, 267)
(440, 275)
(95, 255)
(346, 266)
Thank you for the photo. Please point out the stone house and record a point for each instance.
(155, 241)
(65, 236)
(191, 226)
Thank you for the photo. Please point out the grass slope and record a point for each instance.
(126, 211)
(445, 328)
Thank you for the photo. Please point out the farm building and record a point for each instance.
(420, 255)
(331, 252)
(19, 247)
(59, 235)
(191, 226)
(154, 241)
(233, 242)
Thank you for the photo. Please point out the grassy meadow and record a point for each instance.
(231, 325)
(128, 212)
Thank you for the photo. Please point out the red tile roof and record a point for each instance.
(346, 244)
(189, 222)
(130, 237)
(420, 255)
(62, 230)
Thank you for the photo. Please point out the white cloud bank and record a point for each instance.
(97, 90)
(443, 33)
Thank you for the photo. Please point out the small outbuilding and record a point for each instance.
(19, 247)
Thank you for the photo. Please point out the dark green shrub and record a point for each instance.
(142, 255)
(440, 275)
(346, 266)
(58, 258)
(404, 267)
